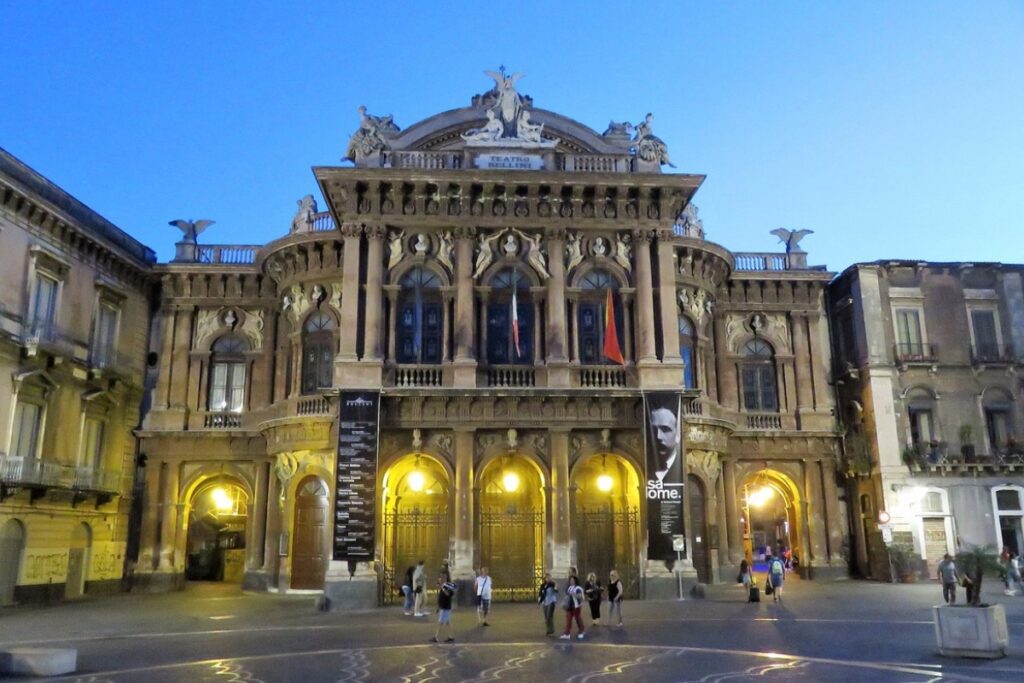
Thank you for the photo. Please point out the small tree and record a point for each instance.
(973, 562)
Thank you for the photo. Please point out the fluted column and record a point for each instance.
(465, 478)
(732, 513)
(465, 323)
(646, 351)
(561, 538)
(350, 292)
(667, 298)
(374, 293)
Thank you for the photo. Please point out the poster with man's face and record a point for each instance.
(663, 436)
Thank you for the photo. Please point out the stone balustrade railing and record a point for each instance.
(227, 254)
(511, 376)
(20, 471)
(323, 222)
(602, 377)
(761, 261)
(222, 421)
(596, 163)
(764, 421)
(418, 376)
(418, 159)
(313, 405)
(692, 407)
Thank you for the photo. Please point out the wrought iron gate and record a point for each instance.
(511, 548)
(606, 539)
(408, 538)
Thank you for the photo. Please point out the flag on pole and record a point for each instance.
(612, 351)
(515, 322)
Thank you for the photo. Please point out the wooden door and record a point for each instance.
(12, 548)
(936, 544)
(698, 529)
(309, 545)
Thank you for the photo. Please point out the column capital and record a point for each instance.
(374, 232)
(464, 232)
(351, 229)
(643, 236)
(555, 234)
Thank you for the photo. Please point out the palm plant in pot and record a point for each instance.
(974, 629)
(904, 561)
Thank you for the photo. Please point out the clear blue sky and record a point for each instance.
(893, 130)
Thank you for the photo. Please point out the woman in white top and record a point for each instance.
(483, 596)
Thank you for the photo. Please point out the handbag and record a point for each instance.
(768, 588)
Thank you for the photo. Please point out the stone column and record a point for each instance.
(722, 521)
(802, 362)
(392, 323)
(163, 390)
(465, 502)
(149, 549)
(256, 544)
(465, 324)
(374, 293)
(273, 530)
(815, 512)
(561, 532)
(170, 477)
(349, 293)
(833, 521)
(819, 361)
(646, 352)
(732, 513)
(725, 369)
(180, 359)
(667, 298)
(557, 356)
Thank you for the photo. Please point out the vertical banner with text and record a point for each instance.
(355, 485)
(666, 467)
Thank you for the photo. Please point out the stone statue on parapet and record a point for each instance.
(693, 226)
(303, 219)
(372, 136)
(509, 102)
(485, 253)
(191, 229)
(649, 146)
(792, 238)
(491, 131)
(508, 117)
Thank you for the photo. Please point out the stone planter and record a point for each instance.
(964, 631)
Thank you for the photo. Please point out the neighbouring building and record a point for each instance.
(928, 360)
(74, 318)
(451, 326)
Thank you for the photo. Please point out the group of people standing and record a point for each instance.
(773, 583)
(591, 592)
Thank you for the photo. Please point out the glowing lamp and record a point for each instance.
(222, 500)
(416, 481)
(761, 496)
(510, 481)
(604, 483)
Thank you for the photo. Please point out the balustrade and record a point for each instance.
(692, 407)
(313, 405)
(511, 376)
(222, 421)
(596, 163)
(323, 222)
(764, 421)
(228, 254)
(418, 376)
(761, 261)
(602, 377)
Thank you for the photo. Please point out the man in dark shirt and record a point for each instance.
(444, 611)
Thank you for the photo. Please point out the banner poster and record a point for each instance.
(355, 486)
(666, 465)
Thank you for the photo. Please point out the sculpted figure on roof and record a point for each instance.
(649, 146)
(372, 136)
(508, 118)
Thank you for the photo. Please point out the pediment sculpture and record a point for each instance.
(372, 136)
(508, 119)
(649, 146)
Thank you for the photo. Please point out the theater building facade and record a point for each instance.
(466, 278)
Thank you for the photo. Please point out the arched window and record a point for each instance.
(420, 318)
(590, 315)
(687, 350)
(318, 347)
(757, 374)
(509, 336)
(227, 374)
(1008, 502)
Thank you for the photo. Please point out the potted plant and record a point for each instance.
(912, 458)
(903, 559)
(966, 442)
(974, 629)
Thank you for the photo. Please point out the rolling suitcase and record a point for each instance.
(755, 593)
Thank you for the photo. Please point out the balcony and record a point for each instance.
(48, 336)
(992, 354)
(601, 377)
(313, 405)
(41, 475)
(222, 420)
(108, 361)
(416, 376)
(692, 406)
(915, 352)
(227, 254)
(764, 421)
(511, 376)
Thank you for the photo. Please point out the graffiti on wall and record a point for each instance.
(46, 567)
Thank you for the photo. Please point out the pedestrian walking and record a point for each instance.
(777, 576)
(1013, 574)
(407, 591)
(573, 604)
(482, 586)
(949, 577)
(419, 589)
(593, 591)
(547, 598)
(444, 612)
(616, 592)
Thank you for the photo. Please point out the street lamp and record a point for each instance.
(416, 481)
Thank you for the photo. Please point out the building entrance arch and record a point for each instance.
(416, 520)
(512, 526)
(310, 554)
(12, 550)
(772, 514)
(606, 519)
(79, 559)
(215, 542)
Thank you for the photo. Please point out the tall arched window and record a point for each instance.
(591, 316)
(318, 348)
(687, 349)
(227, 374)
(420, 318)
(510, 337)
(757, 375)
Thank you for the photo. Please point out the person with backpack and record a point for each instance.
(616, 591)
(547, 598)
(776, 577)
(482, 585)
(573, 604)
(407, 588)
(444, 611)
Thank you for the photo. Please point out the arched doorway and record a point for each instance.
(78, 561)
(416, 520)
(771, 514)
(12, 550)
(699, 528)
(310, 538)
(606, 519)
(512, 526)
(215, 547)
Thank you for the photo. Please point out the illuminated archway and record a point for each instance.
(770, 512)
(416, 520)
(215, 545)
(511, 502)
(606, 518)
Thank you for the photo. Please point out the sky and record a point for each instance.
(892, 130)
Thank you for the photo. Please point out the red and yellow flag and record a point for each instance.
(612, 351)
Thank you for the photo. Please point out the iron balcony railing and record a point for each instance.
(20, 471)
(51, 337)
(915, 352)
(992, 353)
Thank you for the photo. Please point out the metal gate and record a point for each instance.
(510, 548)
(408, 538)
(606, 539)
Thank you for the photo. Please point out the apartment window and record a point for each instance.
(44, 304)
(986, 338)
(27, 423)
(590, 318)
(757, 375)
(420, 318)
(92, 442)
(996, 408)
(227, 374)
(105, 337)
(318, 348)
(922, 426)
(502, 329)
(687, 344)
